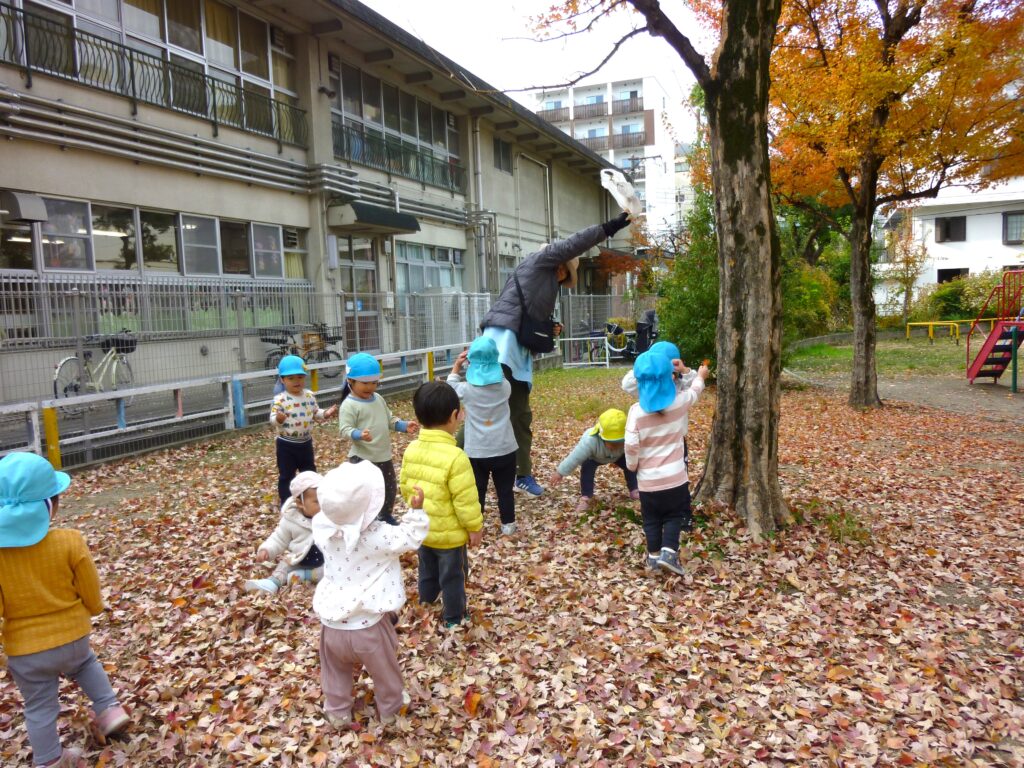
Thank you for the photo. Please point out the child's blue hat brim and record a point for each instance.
(291, 365)
(26, 482)
(653, 374)
(666, 348)
(362, 367)
(484, 367)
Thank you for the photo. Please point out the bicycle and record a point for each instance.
(72, 377)
(313, 349)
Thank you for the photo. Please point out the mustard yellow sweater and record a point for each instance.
(47, 593)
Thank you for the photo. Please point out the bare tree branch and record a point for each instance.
(661, 25)
(583, 75)
(587, 28)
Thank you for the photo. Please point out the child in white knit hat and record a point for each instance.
(362, 585)
(293, 538)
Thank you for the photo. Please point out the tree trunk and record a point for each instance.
(864, 375)
(742, 464)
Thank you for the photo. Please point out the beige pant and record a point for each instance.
(376, 649)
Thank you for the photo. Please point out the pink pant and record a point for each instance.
(375, 648)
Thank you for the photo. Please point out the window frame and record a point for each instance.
(499, 155)
(944, 229)
(1006, 227)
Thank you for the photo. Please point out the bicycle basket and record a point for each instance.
(277, 336)
(124, 343)
(333, 334)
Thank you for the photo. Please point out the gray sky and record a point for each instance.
(494, 40)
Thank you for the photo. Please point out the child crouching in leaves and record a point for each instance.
(603, 444)
(362, 588)
(49, 588)
(294, 536)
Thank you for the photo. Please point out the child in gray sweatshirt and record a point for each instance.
(490, 441)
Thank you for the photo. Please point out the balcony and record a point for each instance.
(554, 115)
(41, 45)
(626, 140)
(581, 111)
(595, 143)
(625, 106)
(385, 155)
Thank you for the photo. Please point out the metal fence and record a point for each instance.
(184, 329)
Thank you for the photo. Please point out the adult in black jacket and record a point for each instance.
(540, 275)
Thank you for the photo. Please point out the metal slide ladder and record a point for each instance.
(1006, 303)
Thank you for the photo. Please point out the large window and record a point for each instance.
(199, 245)
(221, 34)
(159, 234)
(502, 155)
(66, 235)
(184, 26)
(421, 267)
(113, 237)
(266, 249)
(950, 229)
(1013, 228)
(234, 246)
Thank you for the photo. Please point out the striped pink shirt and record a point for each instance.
(654, 441)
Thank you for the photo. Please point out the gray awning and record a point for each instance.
(22, 206)
(366, 219)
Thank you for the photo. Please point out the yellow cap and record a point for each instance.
(611, 425)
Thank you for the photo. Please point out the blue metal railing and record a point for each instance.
(42, 45)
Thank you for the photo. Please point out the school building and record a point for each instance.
(197, 170)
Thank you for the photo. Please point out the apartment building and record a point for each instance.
(190, 169)
(623, 121)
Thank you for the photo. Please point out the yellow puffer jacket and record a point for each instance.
(442, 470)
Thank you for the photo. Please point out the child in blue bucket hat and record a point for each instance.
(293, 412)
(49, 589)
(655, 430)
(490, 441)
(681, 375)
(367, 421)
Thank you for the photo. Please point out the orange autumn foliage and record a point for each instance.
(939, 105)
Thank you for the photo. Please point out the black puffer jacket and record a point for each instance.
(538, 277)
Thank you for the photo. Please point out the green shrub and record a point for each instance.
(960, 299)
(809, 295)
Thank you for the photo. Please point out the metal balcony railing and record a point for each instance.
(625, 140)
(625, 106)
(386, 155)
(580, 111)
(42, 45)
(554, 115)
(594, 142)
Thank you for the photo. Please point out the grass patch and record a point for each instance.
(894, 357)
(845, 527)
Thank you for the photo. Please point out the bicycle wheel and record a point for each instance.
(123, 378)
(329, 356)
(273, 358)
(69, 381)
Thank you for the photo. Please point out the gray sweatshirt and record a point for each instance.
(590, 447)
(488, 419)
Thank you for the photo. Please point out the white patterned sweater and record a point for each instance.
(362, 574)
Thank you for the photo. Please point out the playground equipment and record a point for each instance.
(999, 349)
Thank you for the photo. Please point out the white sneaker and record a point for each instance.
(508, 529)
(261, 585)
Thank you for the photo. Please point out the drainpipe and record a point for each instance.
(478, 179)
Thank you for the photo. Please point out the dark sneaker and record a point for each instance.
(669, 560)
(526, 483)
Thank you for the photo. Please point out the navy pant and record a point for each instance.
(589, 469)
(503, 470)
(665, 514)
(292, 458)
(443, 573)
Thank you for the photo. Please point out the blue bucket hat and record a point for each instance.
(484, 367)
(26, 482)
(666, 348)
(362, 367)
(291, 365)
(653, 374)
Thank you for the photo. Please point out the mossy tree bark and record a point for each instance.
(742, 462)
